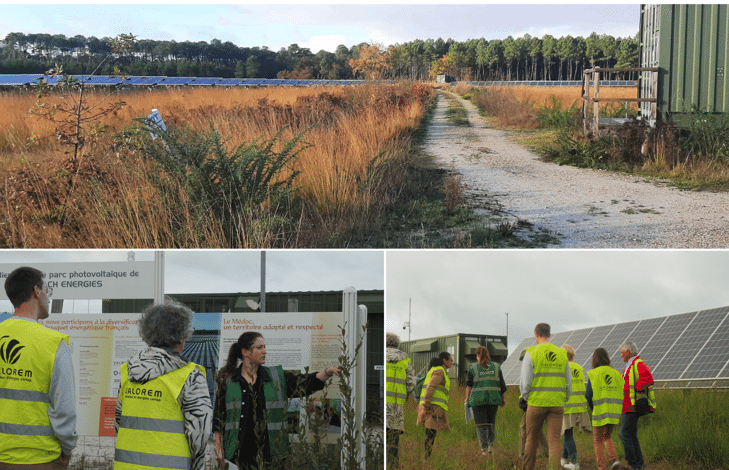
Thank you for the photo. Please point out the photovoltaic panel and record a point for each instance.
(511, 368)
(575, 339)
(714, 355)
(583, 355)
(177, 81)
(683, 352)
(558, 339)
(615, 339)
(640, 336)
(663, 340)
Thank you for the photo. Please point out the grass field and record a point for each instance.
(349, 147)
(690, 431)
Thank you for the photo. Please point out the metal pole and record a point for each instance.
(507, 329)
(159, 277)
(263, 281)
(410, 313)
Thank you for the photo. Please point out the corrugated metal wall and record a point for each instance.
(690, 43)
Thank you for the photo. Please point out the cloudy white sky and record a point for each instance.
(320, 26)
(471, 292)
(223, 271)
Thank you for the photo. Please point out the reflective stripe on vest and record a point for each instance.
(631, 381)
(607, 395)
(397, 391)
(27, 356)
(440, 395)
(549, 385)
(152, 427)
(486, 388)
(577, 402)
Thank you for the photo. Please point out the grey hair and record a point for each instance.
(392, 340)
(165, 325)
(630, 347)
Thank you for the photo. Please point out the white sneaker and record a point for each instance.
(572, 466)
(563, 462)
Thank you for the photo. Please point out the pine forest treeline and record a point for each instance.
(523, 58)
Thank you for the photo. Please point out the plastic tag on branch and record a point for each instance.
(155, 121)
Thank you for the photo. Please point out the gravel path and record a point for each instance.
(583, 208)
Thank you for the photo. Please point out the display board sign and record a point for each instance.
(112, 280)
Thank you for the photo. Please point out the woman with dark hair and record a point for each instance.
(433, 407)
(163, 410)
(604, 394)
(250, 405)
(485, 388)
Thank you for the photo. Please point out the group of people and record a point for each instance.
(164, 416)
(554, 390)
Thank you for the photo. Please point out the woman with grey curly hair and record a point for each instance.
(163, 409)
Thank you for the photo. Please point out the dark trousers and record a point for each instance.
(429, 440)
(629, 437)
(485, 418)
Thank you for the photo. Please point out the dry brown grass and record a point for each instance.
(115, 199)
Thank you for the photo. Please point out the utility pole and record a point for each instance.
(263, 281)
(507, 328)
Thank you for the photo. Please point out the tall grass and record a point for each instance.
(689, 431)
(352, 159)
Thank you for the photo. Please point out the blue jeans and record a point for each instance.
(629, 437)
(569, 448)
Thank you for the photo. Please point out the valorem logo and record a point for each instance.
(575, 373)
(551, 356)
(10, 350)
(608, 379)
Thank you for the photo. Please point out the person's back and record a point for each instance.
(37, 392)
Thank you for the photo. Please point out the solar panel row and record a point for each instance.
(27, 79)
(685, 346)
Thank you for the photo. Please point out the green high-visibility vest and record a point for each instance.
(397, 390)
(486, 388)
(152, 430)
(27, 355)
(633, 376)
(440, 395)
(607, 395)
(577, 402)
(549, 386)
(274, 393)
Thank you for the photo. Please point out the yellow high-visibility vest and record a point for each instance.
(577, 402)
(549, 386)
(440, 395)
(27, 355)
(152, 430)
(397, 373)
(633, 375)
(607, 395)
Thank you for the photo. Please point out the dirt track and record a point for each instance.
(582, 208)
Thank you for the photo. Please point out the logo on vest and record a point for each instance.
(10, 354)
(575, 373)
(144, 393)
(551, 356)
(608, 380)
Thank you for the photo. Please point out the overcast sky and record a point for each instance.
(470, 292)
(224, 271)
(320, 26)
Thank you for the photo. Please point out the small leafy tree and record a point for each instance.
(74, 115)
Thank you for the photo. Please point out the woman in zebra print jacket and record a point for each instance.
(165, 328)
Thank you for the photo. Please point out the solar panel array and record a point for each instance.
(687, 349)
(27, 79)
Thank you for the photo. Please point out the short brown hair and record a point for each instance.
(570, 351)
(21, 283)
(543, 330)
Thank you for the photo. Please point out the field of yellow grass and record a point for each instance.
(347, 132)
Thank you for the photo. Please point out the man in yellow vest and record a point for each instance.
(545, 384)
(163, 411)
(400, 383)
(37, 391)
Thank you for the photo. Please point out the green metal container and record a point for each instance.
(690, 45)
(461, 346)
